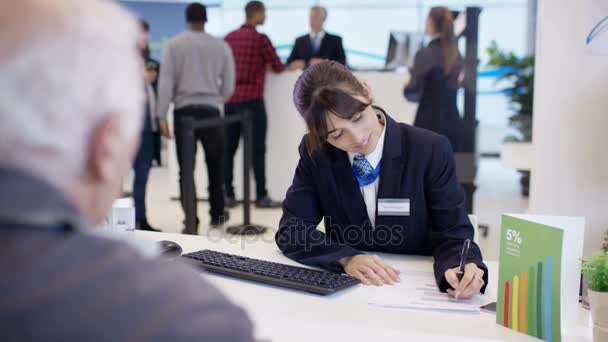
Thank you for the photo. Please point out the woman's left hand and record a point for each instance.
(470, 284)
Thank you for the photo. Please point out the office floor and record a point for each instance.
(498, 192)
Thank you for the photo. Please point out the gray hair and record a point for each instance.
(64, 66)
(322, 9)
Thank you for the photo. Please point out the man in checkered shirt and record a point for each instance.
(253, 55)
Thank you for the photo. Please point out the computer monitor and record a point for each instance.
(402, 47)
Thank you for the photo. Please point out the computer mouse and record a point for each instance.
(170, 248)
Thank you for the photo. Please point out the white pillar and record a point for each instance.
(531, 30)
(570, 135)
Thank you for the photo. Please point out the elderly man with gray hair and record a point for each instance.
(71, 99)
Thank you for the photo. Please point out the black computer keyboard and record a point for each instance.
(315, 281)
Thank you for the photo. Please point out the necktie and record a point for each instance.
(363, 170)
(315, 44)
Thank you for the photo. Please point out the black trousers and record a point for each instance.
(212, 140)
(257, 110)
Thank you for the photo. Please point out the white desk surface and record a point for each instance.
(284, 315)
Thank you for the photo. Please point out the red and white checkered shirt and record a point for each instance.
(252, 52)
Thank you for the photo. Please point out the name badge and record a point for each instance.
(394, 207)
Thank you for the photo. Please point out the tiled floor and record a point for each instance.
(498, 192)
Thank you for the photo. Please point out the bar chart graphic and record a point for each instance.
(529, 278)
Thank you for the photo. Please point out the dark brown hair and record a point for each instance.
(196, 13)
(145, 26)
(252, 8)
(145, 51)
(322, 88)
(443, 23)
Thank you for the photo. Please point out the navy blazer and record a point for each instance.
(416, 164)
(331, 48)
(436, 93)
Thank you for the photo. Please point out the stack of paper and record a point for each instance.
(418, 290)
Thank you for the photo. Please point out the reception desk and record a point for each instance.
(286, 128)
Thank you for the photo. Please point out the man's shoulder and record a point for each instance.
(151, 272)
(225, 47)
(177, 38)
(216, 42)
(262, 37)
(113, 282)
(331, 36)
(176, 288)
(239, 33)
(177, 42)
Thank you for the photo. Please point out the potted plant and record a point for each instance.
(595, 271)
(518, 73)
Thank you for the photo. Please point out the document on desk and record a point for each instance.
(418, 290)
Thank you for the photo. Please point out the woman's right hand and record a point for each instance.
(370, 270)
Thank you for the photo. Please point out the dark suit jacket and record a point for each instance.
(437, 110)
(417, 165)
(436, 93)
(331, 48)
(60, 282)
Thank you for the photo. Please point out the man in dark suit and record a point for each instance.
(316, 46)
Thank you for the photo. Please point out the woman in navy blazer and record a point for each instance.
(409, 202)
(435, 79)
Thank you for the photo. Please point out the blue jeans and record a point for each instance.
(140, 181)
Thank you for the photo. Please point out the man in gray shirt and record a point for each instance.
(198, 76)
(70, 117)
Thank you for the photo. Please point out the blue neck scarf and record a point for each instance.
(370, 178)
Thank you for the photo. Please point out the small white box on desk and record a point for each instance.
(122, 217)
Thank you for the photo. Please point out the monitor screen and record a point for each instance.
(402, 47)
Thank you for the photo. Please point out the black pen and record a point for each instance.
(463, 258)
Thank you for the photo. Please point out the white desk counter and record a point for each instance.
(286, 128)
(285, 315)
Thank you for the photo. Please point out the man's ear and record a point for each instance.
(104, 148)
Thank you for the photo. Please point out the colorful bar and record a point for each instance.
(539, 301)
(548, 336)
(531, 303)
(522, 299)
(515, 304)
(506, 305)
